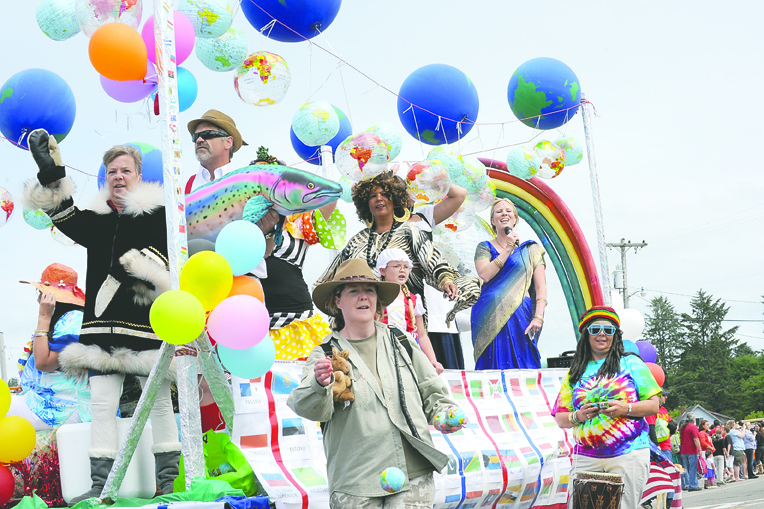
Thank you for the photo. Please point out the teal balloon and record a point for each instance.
(242, 244)
(630, 346)
(57, 19)
(253, 362)
(225, 53)
(187, 89)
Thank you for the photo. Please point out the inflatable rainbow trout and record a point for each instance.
(250, 192)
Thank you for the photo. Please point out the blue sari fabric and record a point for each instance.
(503, 312)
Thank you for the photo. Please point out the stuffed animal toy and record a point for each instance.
(341, 368)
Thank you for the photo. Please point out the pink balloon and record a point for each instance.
(185, 36)
(133, 90)
(239, 322)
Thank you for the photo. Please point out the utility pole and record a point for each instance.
(624, 246)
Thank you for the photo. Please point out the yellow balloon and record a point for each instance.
(5, 398)
(208, 277)
(18, 438)
(177, 317)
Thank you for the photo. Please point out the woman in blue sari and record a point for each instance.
(509, 314)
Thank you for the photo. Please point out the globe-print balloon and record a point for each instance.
(544, 93)
(451, 158)
(483, 197)
(552, 159)
(93, 14)
(37, 219)
(225, 53)
(391, 134)
(362, 156)
(7, 206)
(473, 177)
(427, 182)
(58, 19)
(462, 219)
(263, 80)
(315, 123)
(211, 18)
(574, 150)
(523, 162)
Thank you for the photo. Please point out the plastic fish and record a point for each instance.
(258, 188)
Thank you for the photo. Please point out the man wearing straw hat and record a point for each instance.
(215, 138)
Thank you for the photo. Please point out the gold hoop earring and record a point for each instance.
(406, 216)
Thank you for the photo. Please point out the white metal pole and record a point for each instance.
(177, 245)
(601, 247)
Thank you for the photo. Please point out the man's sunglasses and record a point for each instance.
(208, 135)
(596, 328)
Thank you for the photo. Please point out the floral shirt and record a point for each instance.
(604, 436)
(54, 396)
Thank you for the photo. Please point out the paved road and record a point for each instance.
(744, 494)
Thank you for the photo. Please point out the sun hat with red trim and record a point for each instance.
(599, 313)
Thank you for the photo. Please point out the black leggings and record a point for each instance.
(749, 459)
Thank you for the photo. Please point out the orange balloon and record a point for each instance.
(245, 285)
(657, 372)
(117, 52)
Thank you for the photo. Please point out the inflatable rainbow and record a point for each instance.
(559, 233)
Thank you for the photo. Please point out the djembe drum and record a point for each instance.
(597, 490)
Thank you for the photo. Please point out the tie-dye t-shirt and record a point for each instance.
(604, 436)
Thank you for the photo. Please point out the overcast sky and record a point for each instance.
(675, 85)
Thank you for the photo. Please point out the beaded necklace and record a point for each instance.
(384, 245)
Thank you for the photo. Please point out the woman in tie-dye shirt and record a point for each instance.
(604, 398)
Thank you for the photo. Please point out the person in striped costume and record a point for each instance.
(294, 328)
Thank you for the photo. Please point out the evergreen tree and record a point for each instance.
(662, 329)
(705, 362)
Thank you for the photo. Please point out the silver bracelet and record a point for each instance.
(629, 412)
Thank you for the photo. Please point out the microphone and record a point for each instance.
(507, 231)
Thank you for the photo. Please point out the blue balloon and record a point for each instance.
(311, 154)
(151, 168)
(630, 346)
(242, 244)
(187, 89)
(308, 18)
(541, 86)
(445, 91)
(36, 99)
(252, 362)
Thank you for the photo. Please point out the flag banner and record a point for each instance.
(510, 454)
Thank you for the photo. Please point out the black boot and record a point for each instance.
(167, 465)
(99, 471)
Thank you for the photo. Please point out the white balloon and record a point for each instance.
(632, 323)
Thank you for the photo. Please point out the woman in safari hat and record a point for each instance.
(396, 395)
(51, 398)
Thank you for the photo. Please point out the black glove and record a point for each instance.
(44, 149)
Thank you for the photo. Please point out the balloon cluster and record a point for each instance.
(215, 292)
(18, 441)
(429, 181)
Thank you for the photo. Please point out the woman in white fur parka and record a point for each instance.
(124, 233)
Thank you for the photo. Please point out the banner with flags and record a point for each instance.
(510, 454)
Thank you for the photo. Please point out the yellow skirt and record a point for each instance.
(296, 340)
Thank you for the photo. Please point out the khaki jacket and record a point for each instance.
(365, 438)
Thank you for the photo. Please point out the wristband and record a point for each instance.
(629, 412)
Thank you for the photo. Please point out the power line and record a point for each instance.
(686, 295)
